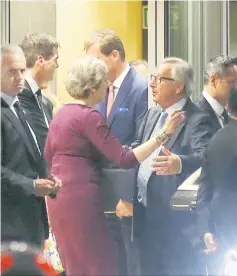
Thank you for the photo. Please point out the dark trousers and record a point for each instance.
(164, 249)
(127, 252)
(132, 252)
(152, 244)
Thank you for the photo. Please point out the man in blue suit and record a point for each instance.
(164, 249)
(124, 107)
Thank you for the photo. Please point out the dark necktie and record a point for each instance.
(23, 121)
(39, 97)
(225, 116)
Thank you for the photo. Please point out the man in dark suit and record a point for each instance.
(41, 52)
(159, 235)
(24, 179)
(216, 201)
(124, 107)
(219, 77)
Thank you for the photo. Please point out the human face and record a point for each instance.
(223, 84)
(13, 68)
(165, 89)
(47, 68)
(110, 60)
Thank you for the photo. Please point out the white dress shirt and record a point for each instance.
(34, 87)
(118, 82)
(216, 106)
(11, 101)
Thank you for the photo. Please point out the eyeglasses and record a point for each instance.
(158, 80)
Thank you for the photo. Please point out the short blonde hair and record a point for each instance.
(85, 74)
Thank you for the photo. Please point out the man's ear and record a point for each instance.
(180, 88)
(40, 60)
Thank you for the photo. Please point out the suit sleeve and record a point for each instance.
(201, 135)
(141, 109)
(204, 197)
(98, 133)
(15, 180)
(12, 180)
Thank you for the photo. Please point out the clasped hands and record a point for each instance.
(44, 187)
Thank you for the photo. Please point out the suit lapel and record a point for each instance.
(152, 121)
(179, 128)
(123, 92)
(17, 125)
(210, 110)
(175, 135)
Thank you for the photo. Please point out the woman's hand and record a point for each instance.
(173, 121)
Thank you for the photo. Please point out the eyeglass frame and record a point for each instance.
(154, 78)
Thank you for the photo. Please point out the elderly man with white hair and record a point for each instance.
(162, 172)
(78, 137)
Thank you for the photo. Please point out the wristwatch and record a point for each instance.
(162, 137)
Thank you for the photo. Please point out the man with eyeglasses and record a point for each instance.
(163, 248)
(220, 77)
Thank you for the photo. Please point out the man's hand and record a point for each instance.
(210, 243)
(167, 165)
(124, 209)
(43, 187)
(57, 183)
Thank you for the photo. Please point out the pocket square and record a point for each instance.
(122, 109)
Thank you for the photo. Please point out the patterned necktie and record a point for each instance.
(145, 169)
(110, 99)
(21, 117)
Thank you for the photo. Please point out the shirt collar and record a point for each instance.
(9, 99)
(179, 105)
(216, 106)
(118, 82)
(32, 83)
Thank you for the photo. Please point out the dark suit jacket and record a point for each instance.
(23, 214)
(189, 142)
(216, 202)
(129, 108)
(203, 104)
(36, 116)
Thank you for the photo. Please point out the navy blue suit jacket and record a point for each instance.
(216, 201)
(129, 108)
(189, 142)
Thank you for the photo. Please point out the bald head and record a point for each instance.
(13, 67)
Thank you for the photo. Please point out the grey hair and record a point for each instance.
(182, 71)
(85, 74)
(10, 49)
(218, 65)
